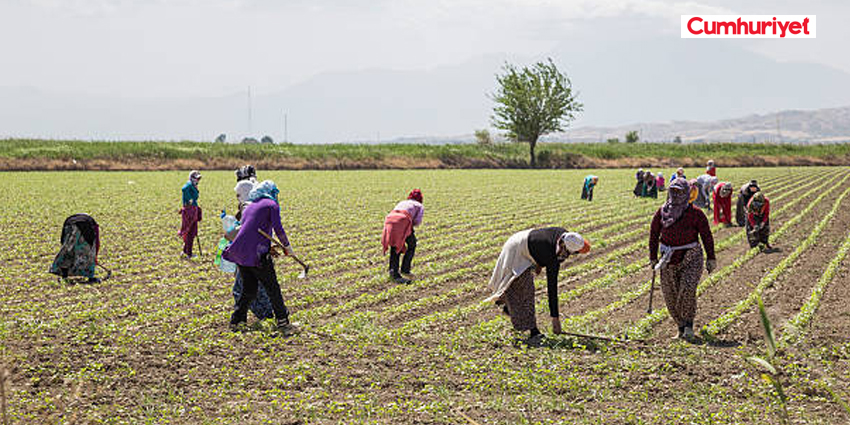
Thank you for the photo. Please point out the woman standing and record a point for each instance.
(680, 174)
(587, 189)
(252, 253)
(191, 213)
(758, 222)
(659, 182)
(512, 283)
(677, 227)
(723, 204)
(399, 237)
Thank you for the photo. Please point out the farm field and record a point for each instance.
(151, 345)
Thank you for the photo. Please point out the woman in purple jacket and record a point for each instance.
(252, 253)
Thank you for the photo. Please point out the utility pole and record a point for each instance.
(285, 129)
(250, 123)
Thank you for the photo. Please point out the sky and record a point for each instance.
(176, 49)
(173, 48)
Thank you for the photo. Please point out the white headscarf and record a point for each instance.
(573, 241)
(242, 189)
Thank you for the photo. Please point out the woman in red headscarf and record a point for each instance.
(398, 236)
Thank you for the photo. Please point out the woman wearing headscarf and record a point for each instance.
(399, 236)
(587, 190)
(649, 189)
(523, 255)
(705, 183)
(710, 169)
(660, 182)
(723, 204)
(744, 196)
(680, 174)
(252, 253)
(638, 190)
(191, 213)
(80, 246)
(676, 230)
(262, 305)
(758, 222)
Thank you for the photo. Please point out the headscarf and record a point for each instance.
(694, 190)
(416, 195)
(757, 203)
(726, 190)
(195, 177)
(680, 171)
(243, 190)
(575, 243)
(266, 189)
(247, 172)
(677, 202)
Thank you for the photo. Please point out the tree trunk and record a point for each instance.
(532, 144)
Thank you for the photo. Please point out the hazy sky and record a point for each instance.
(174, 48)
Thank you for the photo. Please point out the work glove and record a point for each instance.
(556, 325)
(710, 265)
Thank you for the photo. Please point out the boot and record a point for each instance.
(286, 329)
(680, 334)
(688, 334)
(398, 278)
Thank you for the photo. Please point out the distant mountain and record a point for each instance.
(818, 126)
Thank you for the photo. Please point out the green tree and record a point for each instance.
(678, 140)
(632, 137)
(533, 101)
(614, 140)
(483, 138)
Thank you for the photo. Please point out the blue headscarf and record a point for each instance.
(266, 189)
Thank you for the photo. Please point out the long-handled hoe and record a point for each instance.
(306, 270)
(651, 290)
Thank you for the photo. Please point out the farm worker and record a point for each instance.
(649, 189)
(744, 196)
(262, 305)
(191, 213)
(705, 184)
(587, 190)
(80, 245)
(676, 227)
(758, 222)
(680, 174)
(693, 191)
(659, 181)
(399, 237)
(252, 253)
(723, 204)
(247, 172)
(639, 185)
(523, 255)
(710, 169)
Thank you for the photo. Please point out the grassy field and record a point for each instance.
(151, 344)
(69, 155)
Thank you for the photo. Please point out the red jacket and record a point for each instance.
(397, 227)
(764, 217)
(722, 206)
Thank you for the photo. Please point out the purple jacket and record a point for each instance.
(249, 245)
(415, 209)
